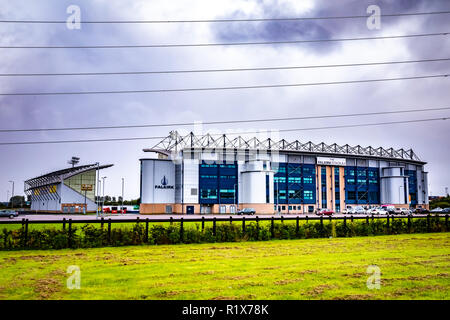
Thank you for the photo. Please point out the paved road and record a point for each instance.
(133, 216)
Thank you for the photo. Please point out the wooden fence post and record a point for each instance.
(282, 220)
(272, 231)
(181, 230)
(345, 225)
(231, 220)
(428, 223)
(446, 222)
(351, 218)
(203, 224)
(102, 221)
(297, 226)
(26, 232)
(171, 220)
(64, 223)
(387, 223)
(214, 226)
(409, 223)
(70, 234)
(146, 230)
(109, 231)
(243, 224)
(257, 228)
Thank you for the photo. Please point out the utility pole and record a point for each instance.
(121, 209)
(12, 194)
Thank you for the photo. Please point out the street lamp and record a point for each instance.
(121, 209)
(103, 196)
(12, 194)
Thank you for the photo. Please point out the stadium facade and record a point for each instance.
(194, 174)
(71, 190)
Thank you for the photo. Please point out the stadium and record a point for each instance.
(211, 174)
(70, 190)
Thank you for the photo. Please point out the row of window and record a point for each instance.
(307, 180)
(215, 177)
(204, 165)
(294, 194)
(212, 194)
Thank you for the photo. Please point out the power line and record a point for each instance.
(224, 44)
(219, 70)
(227, 121)
(233, 133)
(225, 20)
(218, 88)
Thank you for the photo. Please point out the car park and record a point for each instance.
(249, 211)
(9, 213)
(325, 212)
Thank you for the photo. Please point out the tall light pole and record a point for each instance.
(123, 182)
(103, 197)
(12, 194)
(99, 182)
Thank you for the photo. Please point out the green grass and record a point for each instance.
(413, 266)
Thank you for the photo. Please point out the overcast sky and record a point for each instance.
(429, 140)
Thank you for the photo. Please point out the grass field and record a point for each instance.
(414, 266)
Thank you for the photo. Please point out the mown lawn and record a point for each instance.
(413, 266)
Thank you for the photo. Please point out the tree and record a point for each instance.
(17, 201)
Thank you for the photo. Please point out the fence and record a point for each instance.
(140, 234)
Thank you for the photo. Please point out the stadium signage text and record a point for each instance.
(331, 161)
(164, 184)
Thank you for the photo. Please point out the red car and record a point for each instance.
(325, 212)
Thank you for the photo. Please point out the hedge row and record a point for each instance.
(89, 236)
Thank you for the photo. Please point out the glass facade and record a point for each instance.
(412, 185)
(362, 185)
(218, 183)
(295, 183)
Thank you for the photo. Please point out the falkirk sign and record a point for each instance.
(331, 161)
(164, 184)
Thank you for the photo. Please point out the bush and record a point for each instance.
(90, 236)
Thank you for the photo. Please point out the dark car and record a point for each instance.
(9, 213)
(445, 210)
(249, 211)
(420, 211)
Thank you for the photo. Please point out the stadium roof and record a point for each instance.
(57, 176)
(175, 142)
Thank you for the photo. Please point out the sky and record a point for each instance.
(429, 140)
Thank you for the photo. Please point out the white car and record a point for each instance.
(378, 210)
(436, 210)
(356, 210)
(402, 211)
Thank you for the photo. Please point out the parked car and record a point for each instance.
(389, 208)
(356, 210)
(436, 210)
(249, 211)
(325, 212)
(402, 211)
(420, 211)
(378, 210)
(9, 213)
(445, 210)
